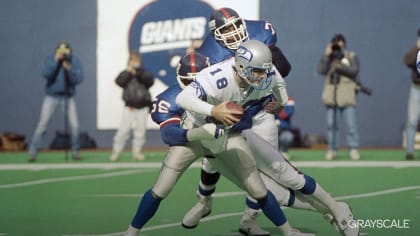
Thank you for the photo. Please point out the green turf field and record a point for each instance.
(96, 197)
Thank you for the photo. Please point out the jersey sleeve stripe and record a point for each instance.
(172, 120)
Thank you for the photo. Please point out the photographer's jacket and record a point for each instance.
(59, 81)
(136, 88)
(340, 80)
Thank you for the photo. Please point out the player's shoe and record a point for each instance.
(200, 210)
(330, 155)
(131, 231)
(114, 156)
(345, 220)
(295, 232)
(248, 225)
(139, 157)
(354, 154)
(330, 218)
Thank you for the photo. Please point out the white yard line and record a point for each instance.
(153, 165)
(70, 178)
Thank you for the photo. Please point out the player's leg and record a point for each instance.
(264, 126)
(273, 165)
(177, 160)
(206, 187)
(239, 167)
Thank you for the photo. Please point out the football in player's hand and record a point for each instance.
(236, 107)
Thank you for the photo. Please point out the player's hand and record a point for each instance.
(207, 131)
(273, 107)
(227, 116)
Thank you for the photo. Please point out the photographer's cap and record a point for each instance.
(63, 47)
(338, 37)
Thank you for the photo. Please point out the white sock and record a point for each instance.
(285, 228)
(321, 196)
(131, 231)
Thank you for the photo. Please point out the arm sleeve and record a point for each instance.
(147, 79)
(123, 78)
(280, 61)
(76, 72)
(351, 70)
(50, 68)
(173, 135)
(279, 90)
(323, 65)
(189, 100)
(410, 58)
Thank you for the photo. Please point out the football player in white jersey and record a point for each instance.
(245, 79)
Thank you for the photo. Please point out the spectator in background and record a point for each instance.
(135, 81)
(340, 68)
(62, 71)
(284, 121)
(413, 108)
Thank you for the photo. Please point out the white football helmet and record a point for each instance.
(253, 62)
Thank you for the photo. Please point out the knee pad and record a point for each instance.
(310, 185)
(291, 198)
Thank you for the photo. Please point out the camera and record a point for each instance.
(66, 57)
(336, 52)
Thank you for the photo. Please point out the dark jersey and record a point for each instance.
(262, 31)
(167, 114)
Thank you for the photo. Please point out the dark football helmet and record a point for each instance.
(188, 66)
(228, 27)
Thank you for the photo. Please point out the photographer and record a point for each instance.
(413, 109)
(135, 82)
(340, 68)
(62, 71)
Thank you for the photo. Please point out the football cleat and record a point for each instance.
(345, 221)
(200, 210)
(295, 232)
(330, 218)
(248, 225)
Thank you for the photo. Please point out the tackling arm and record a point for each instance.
(279, 90)
(280, 61)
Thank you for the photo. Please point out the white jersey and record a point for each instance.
(217, 84)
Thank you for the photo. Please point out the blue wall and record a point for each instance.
(380, 31)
